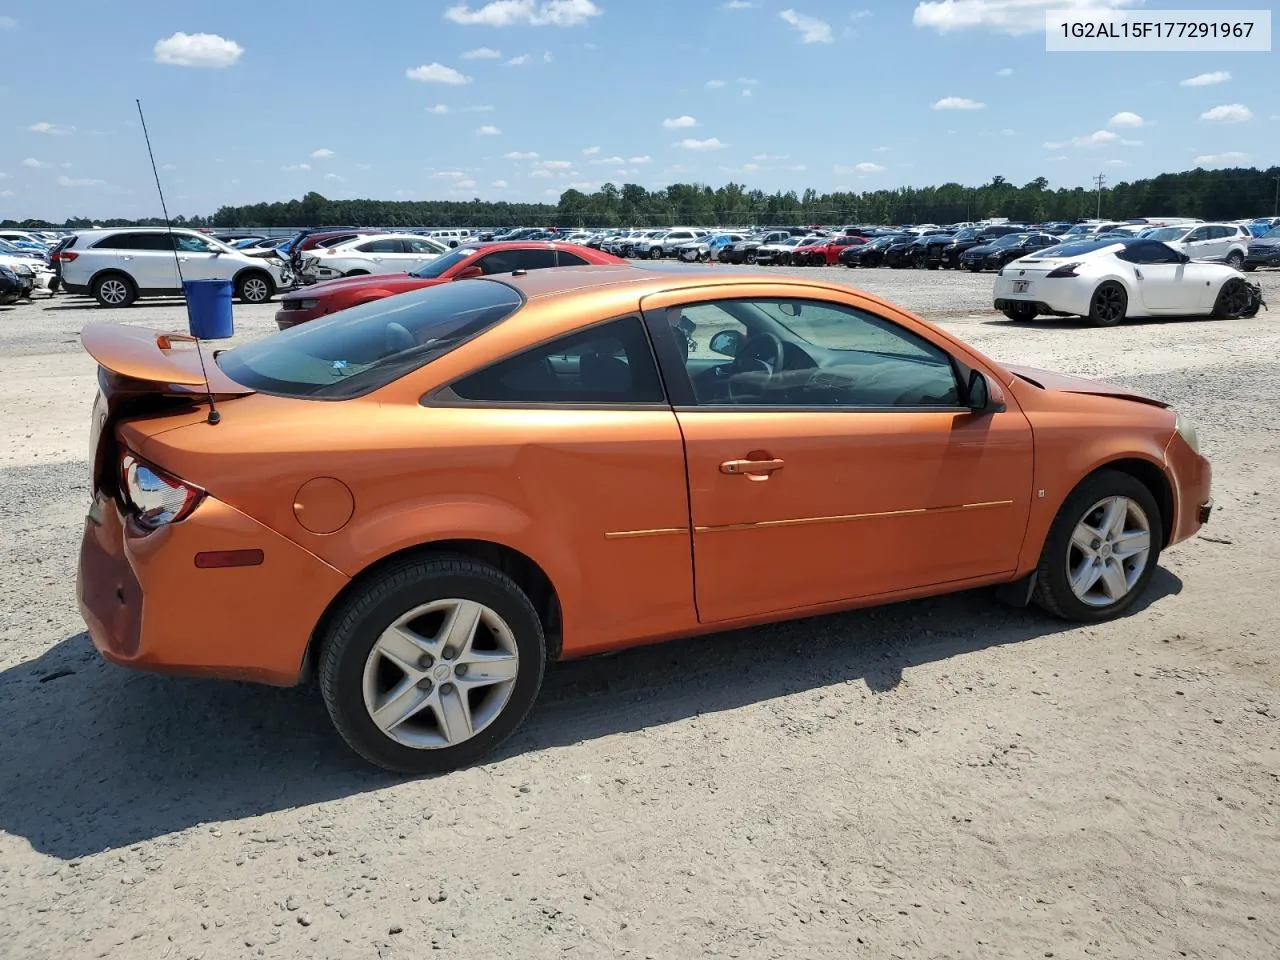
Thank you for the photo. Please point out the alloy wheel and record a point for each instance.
(1109, 303)
(113, 292)
(440, 674)
(1235, 299)
(256, 290)
(1109, 550)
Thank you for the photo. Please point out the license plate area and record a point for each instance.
(1021, 286)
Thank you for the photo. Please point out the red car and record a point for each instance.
(826, 254)
(473, 260)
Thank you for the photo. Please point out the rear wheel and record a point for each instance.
(1235, 300)
(1102, 549)
(655, 253)
(114, 290)
(1108, 305)
(1235, 259)
(432, 664)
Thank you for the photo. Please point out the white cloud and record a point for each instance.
(748, 81)
(464, 184)
(711, 143)
(798, 167)
(590, 151)
(5, 193)
(488, 130)
(168, 166)
(1221, 159)
(547, 57)
(737, 5)
(643, 158)
(8, 23)
(448, 175)
(679, 123)
(499, 184)
(324, 153)
(55, 129)
(746, 92)
(1125, 118)
(865, 167)
(507, 13)
(34, 164)
(768, 157)
(437, 73)
(74, 182)
(958, 103)
(1206, 79)
(556, 164)
(609, 160)
(297, 167)
(197, 50)
(334, 177)
(482, 53)
(586, 186)
(518, 155)
(1004, 16)
(1008, 132)
(812, 30)
(519, 61)
(540, 173)
(714, 84)
(1005, 72)
(1228, 113)
(439, 109)
(1098, 138)
(882, 149)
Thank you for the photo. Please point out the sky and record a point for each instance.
(249, 101)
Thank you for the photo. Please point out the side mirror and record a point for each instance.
(726, 343)
(985, 396)
(469, 273)
(1184, 258)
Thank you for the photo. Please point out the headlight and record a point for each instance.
(1187, 432)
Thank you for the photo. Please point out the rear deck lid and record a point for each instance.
(168, 360)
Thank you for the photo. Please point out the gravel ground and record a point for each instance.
(945, 778)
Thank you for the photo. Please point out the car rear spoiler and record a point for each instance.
(153, 357)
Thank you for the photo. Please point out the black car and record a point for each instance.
(994, 255)
(903, 252)
(744, 251)
(11, 286)
(869, 254)
(953, 253)
(1264, 251)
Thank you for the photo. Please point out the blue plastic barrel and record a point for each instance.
(209, 308)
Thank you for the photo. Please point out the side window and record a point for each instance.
(1199, 233)
(334, 241)
(534, 259)
(610, 363)
(501, 262)
(189, 244)
(135, 241)
(1150, 252)
(421, 246)
(1222, 232)
(809, 353)
(566, 259)
(386, 245)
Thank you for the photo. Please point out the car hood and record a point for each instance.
(1265, 242)
(395, 282)
(1065, 383)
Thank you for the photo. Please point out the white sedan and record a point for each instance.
(382, 253)
(1108, 281)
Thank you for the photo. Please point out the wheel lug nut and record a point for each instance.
(424, 684)
(446, 688)
(460, 670)
(425, 661)
(449, 653)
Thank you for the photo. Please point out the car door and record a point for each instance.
(198, 259)
(418, 253)
(581, 427)
(148, 259)
(1161, 277)
(1198, 244)
(851, 469)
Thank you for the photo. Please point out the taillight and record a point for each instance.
(66, 256)
(157, 496)
(1066, 270)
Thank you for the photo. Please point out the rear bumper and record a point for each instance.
(78, 289)
(148, 606)
(1050, 296)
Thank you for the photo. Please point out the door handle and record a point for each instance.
(752, 469)
(124, 257)
(183, 259)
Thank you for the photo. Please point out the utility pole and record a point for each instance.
(1101, 180)
(1276, 212)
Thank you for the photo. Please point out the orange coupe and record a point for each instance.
(425, 499)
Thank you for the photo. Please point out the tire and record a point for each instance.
(655, 253)
(1236, 300)
(254, 286)
(1235, 259)
(917, 261)
(1064, 553)
(114, 290)
(1108, 305)
(1021, 313)
(354, 674)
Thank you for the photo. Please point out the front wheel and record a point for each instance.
(1102, 549)
(1236, 300)
(1235, 260)
(1108, 305)
(432, 664)
(655, 253)
(254, 288)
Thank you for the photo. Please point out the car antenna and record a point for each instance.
(214, 416)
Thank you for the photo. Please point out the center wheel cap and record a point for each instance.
(441, 672)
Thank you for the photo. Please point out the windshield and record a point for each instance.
(1008, 240)
(365, 347)
(439, 265)
(1165, 234)
(967, 234)
(1272, 234)
(1080, 248)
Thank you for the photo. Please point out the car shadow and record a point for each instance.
(88, 303)
(95, 758)
(1065, 322)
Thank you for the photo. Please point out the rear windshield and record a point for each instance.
(358, 350)
(439, 265)
(1063, 250)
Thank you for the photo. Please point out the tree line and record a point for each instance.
(1227, 194)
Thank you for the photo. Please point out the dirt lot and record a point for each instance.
(946, 778)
